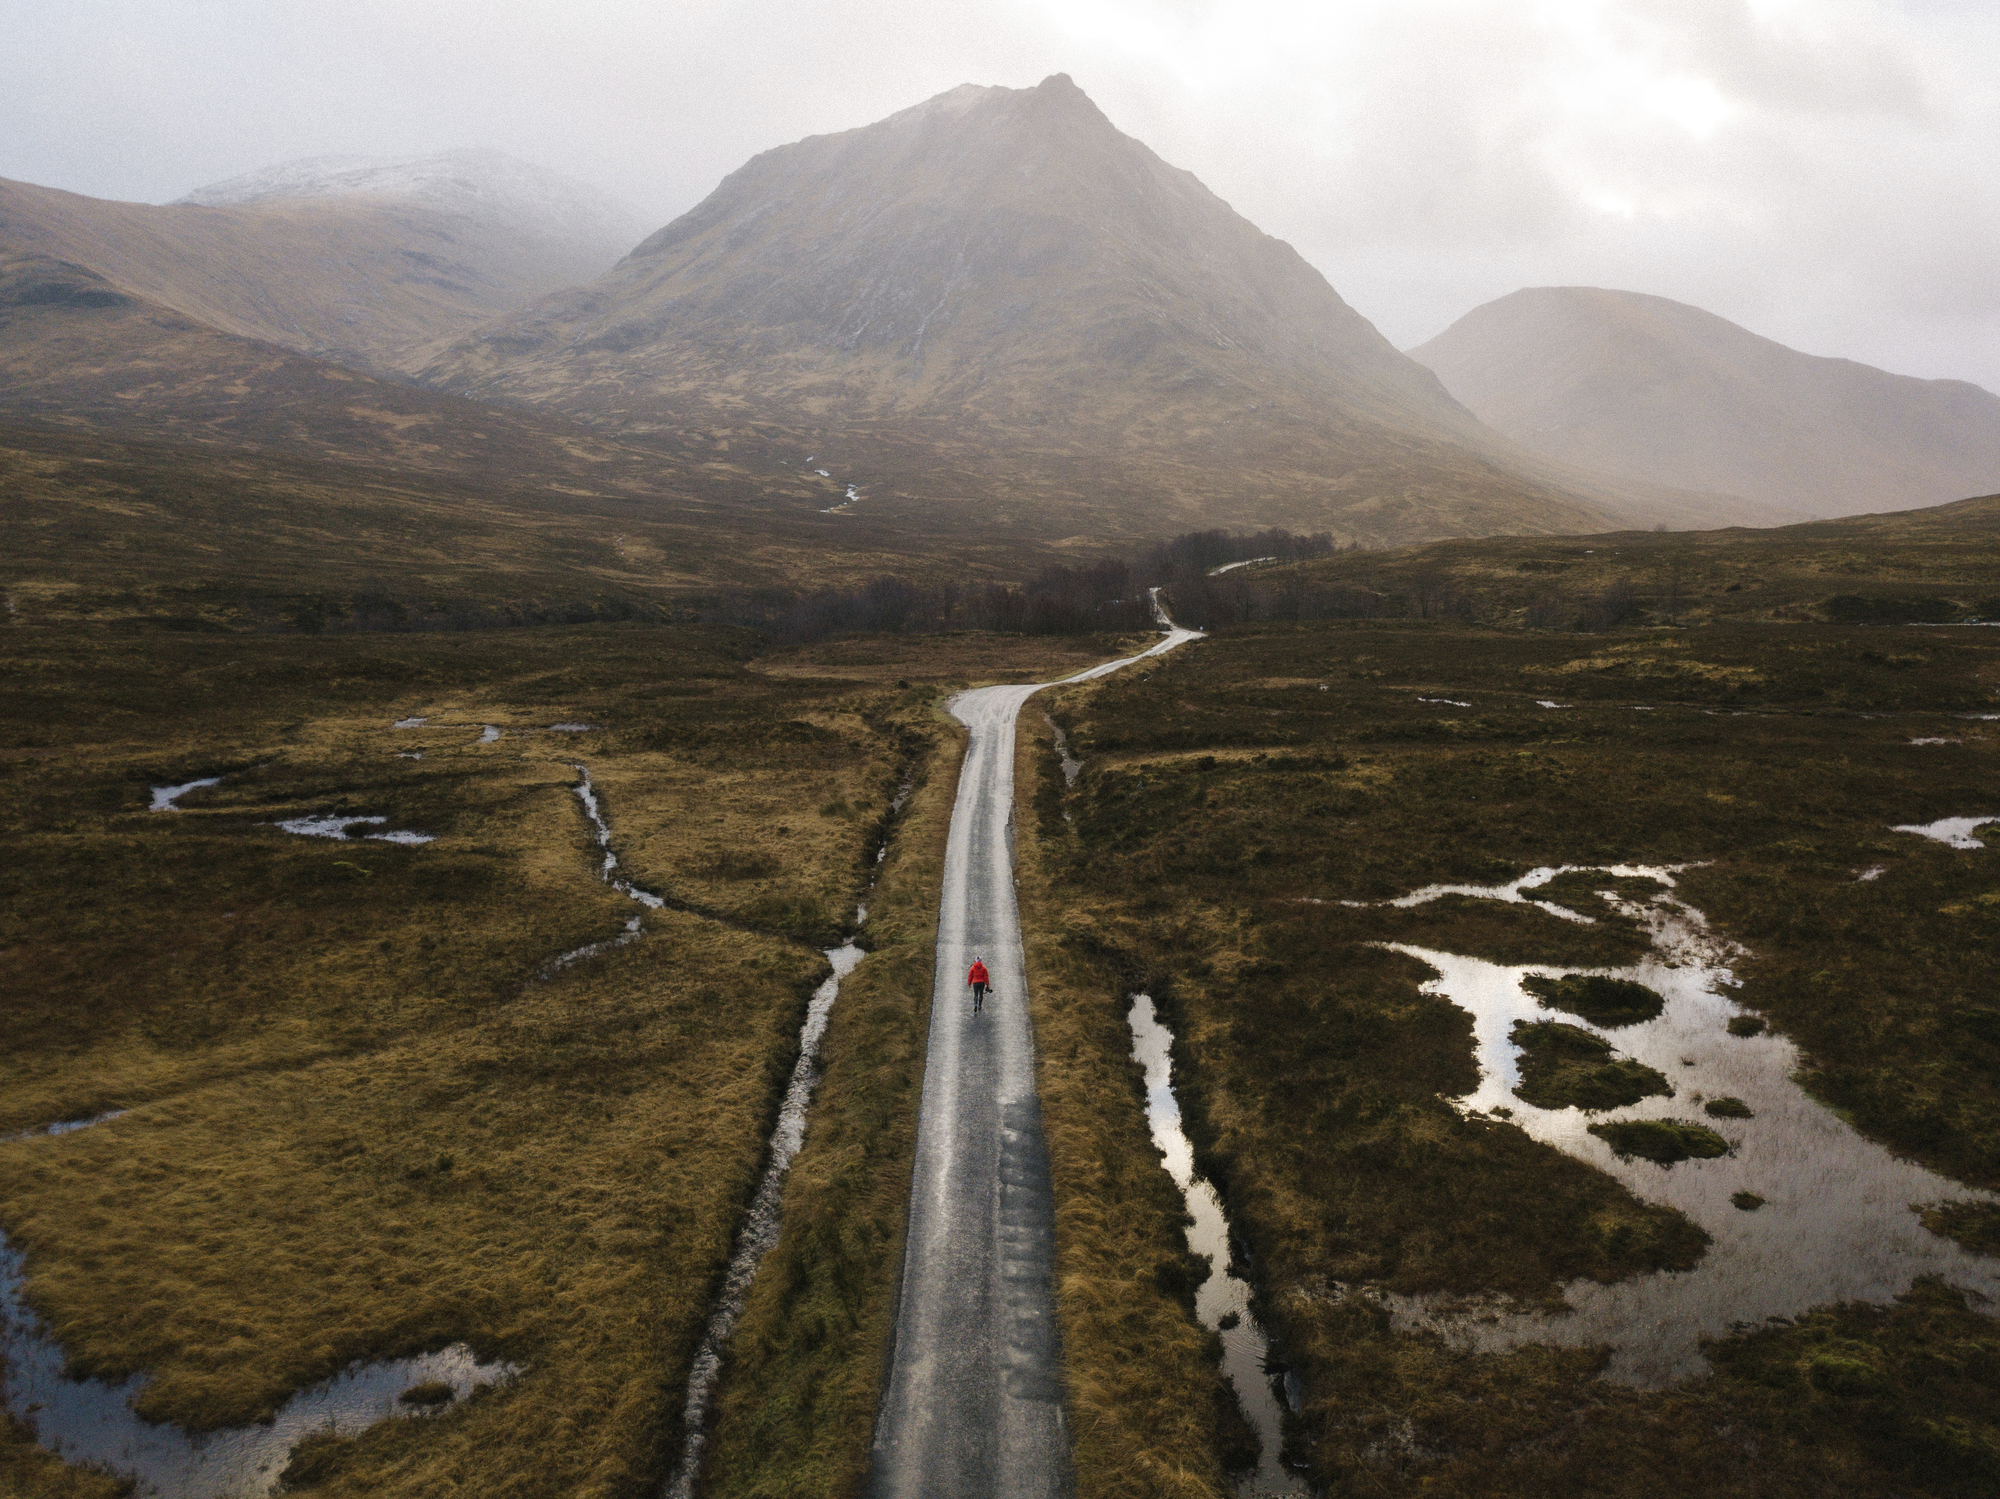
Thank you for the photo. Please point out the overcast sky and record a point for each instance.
(1825, 172)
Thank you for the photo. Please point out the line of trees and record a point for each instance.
(1204, 551)
(1106, 595)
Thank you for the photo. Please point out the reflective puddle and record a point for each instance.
(336, 827)
(92, 1421)
(1958, 832)
(1223, 1301)
(165, 797)
(1835, 1220)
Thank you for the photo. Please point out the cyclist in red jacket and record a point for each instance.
(978, 979)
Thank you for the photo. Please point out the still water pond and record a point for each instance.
(91, 1421)
(1836, 1223)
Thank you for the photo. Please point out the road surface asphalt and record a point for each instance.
(974, 1404)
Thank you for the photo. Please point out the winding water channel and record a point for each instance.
(1223, 1300)
(759, 1233)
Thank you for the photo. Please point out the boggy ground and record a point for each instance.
(1235, 794)
(366, 1115)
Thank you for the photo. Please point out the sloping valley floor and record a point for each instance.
(1256, 840)
(397, 1063)
(368, 1112)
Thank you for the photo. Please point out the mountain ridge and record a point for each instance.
(367, 279)
(1001, 279)
(477, 182)
(1632, 384)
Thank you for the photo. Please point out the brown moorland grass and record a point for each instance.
(365, 1117)
(360, 1124)
(1938, 563)
(1233, 797)
(1151, 1413)
(796, 1410)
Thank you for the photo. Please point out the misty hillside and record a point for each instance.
(1647, 388)
(366, 269)
(998, 293)
(530, 201)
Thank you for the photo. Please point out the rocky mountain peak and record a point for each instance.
(1002, 272)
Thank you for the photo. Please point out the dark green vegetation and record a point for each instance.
(1747, 1202)
(1975, 1225)
(1564, 1066)
(1662, 1141)
(367, 1116)
(1234, 795)
(1602, 1001)
(1934, 566)
(1727, 1108)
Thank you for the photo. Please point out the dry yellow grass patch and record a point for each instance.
(796, 1412)
(360, 1124)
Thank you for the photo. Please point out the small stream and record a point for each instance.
(1835, 1222)
(765, 1220)
(1223, 1297)
(92, 1421)
(607, 871)
(762, 1224)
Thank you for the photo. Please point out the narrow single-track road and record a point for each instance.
(974, 1404)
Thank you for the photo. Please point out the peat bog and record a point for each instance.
(361, 1114)
(1248, 820)
(355, 1110)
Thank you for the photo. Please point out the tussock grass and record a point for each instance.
(1974, 1225)
(797, 1406)
(360, 1124)
(1602, 1001)
(1662, 1141)
(1564, 1066)
(1152, 1415)
(1228, 807)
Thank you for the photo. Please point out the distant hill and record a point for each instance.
(533, 202)
(1934, 566)
(365, 263)
(1654, 390)
(997, 298)
(153, 464)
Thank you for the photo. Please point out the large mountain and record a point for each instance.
(366, 263)
(1651, 389)
(997, 298)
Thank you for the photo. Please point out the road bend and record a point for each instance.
(974, 1403)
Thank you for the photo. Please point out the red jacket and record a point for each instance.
(978, 974)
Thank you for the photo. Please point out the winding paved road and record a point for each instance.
(974, 1404)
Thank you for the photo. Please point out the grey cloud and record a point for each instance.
(1819, 170)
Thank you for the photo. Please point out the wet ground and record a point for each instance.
(92, 1421)
(1836, 1220)
(974, 1400)
(1223, 1300)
